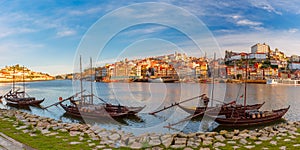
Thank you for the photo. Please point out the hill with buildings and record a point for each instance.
(19, 73)
(178, 66)
(263, 63)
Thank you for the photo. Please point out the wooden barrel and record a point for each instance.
(258, 115)
(253, 116)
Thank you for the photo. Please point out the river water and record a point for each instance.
(155, 96)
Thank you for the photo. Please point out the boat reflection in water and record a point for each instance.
(16, 107)
(252, 127)
(5, 105)
(129, 120)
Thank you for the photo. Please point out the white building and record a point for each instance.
(295, 58)
(294, 66)
(274, 62)
(260, 48)
(139, 70)
(260, 56)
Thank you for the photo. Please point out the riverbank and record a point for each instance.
(26, 80)
(46, 133)
(223, 80)
(248, 81)
(123, 81)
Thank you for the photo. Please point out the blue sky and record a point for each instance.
(45, 35)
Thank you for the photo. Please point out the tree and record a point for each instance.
(239, 76)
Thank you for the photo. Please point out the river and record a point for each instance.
(155, 96)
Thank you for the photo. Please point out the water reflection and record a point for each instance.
(14, 107)
(253, 127)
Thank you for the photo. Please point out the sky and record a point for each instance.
(47, 36)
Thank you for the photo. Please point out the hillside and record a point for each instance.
(20, 73)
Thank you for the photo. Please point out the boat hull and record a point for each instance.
(99, 111)
(162, 80)
(224, 110)
(16, 98)
(272, 116)
(23, 102)
(283, 82)
(156, 80)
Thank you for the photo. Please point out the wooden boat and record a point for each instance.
(283, 81)
(156, 80)
(98, 111)
(165, 79)
(20, 98)
(23, 102)
(141, 80)
(234, 115)
(222, 110)
(252, 118)
(84, 107)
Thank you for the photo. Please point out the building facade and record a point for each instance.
(260, 48)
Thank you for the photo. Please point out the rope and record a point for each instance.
(99, 98)
(172, 105)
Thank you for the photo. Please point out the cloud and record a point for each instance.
(291, 6)
(224, 31)
(10, 26)
(83, 11)
(236, 16)
(263, 4)
(144, 30)
(284, 41)
(246, 22)
(57, 22)
(242, 21)
(8, 31)
(65, 33)
(294, 30)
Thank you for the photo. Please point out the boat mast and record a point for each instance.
(13, 86)
(91, 81)
(213, 81)
(23, 81)
(81, 88)
(245, 92)
(218, 71)
(235, 70)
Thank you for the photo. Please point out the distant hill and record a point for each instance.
(20, 73)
